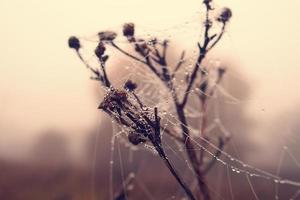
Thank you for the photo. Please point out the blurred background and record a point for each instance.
(48, 115)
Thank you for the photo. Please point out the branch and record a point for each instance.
(126, 53)
(202, 54)
(106, 81)
(179, 64)
(193, 77)
(174, 173)
(218, 38)
(86, 64)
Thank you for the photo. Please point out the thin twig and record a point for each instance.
(218, 38)
(86, 64)
(126, 53)
(179, 64)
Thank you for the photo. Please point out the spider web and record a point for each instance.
(138, 169)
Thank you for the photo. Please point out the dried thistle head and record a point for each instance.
(114, 99)
(100, 49)
(208, 4)
(224, 15)
(107, 35)
(128, 29)
(130, 86)
(126, 109)
(74, 43)
(142, 47)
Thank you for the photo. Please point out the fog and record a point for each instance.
(45, 88)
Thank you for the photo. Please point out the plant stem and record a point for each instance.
(161, 153)
(191, 153)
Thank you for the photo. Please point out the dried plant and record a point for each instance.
(143, 122)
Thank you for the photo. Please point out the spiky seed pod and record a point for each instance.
(208, 4)
(100, 49)
(107, 35)
(225, 15)
(74, 43)
(142, 47)
(128, 29)
(128, 111)
(113, 99)
(130, 86)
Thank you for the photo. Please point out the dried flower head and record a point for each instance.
(128, 111)
(128, 29)
(113, 99)
(107, 35)
(74, 43)
(142, 47)
(225, 15)
(208, 4)
(100, 49)
(130, 86)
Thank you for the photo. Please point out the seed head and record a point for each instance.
(225, 15)
(142, 47)
(207, 1)
(113, 99)
(208, 4)
(130, 86)
(74, 43)
(100, 49)
(124, 107)
(107, 35)
(128, 29)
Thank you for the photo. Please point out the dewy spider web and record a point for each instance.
(237, 165)
(149, 87)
